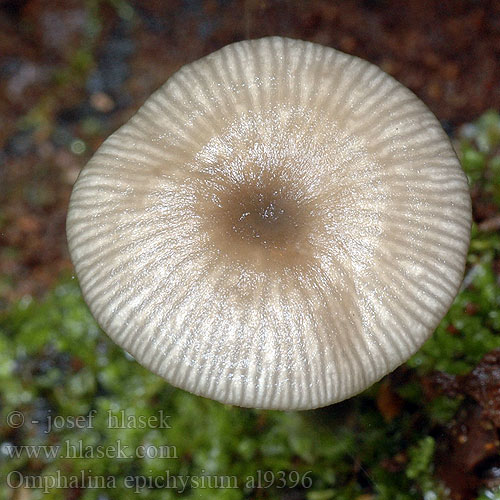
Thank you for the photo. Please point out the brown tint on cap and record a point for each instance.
(279, 226)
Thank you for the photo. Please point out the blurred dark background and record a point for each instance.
(72, 71)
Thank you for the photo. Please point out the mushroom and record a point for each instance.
(279, 226)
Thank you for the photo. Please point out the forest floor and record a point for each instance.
(72, 72)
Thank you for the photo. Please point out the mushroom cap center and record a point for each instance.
(261, 218)
(256, 221)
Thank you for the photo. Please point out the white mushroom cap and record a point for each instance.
(279, 226)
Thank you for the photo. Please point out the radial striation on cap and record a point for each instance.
(279, 226)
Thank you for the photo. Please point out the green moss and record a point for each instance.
(54, 361)
(420, 465)
(471, 327)
(54, 357)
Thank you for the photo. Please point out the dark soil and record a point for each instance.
(71, 74)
